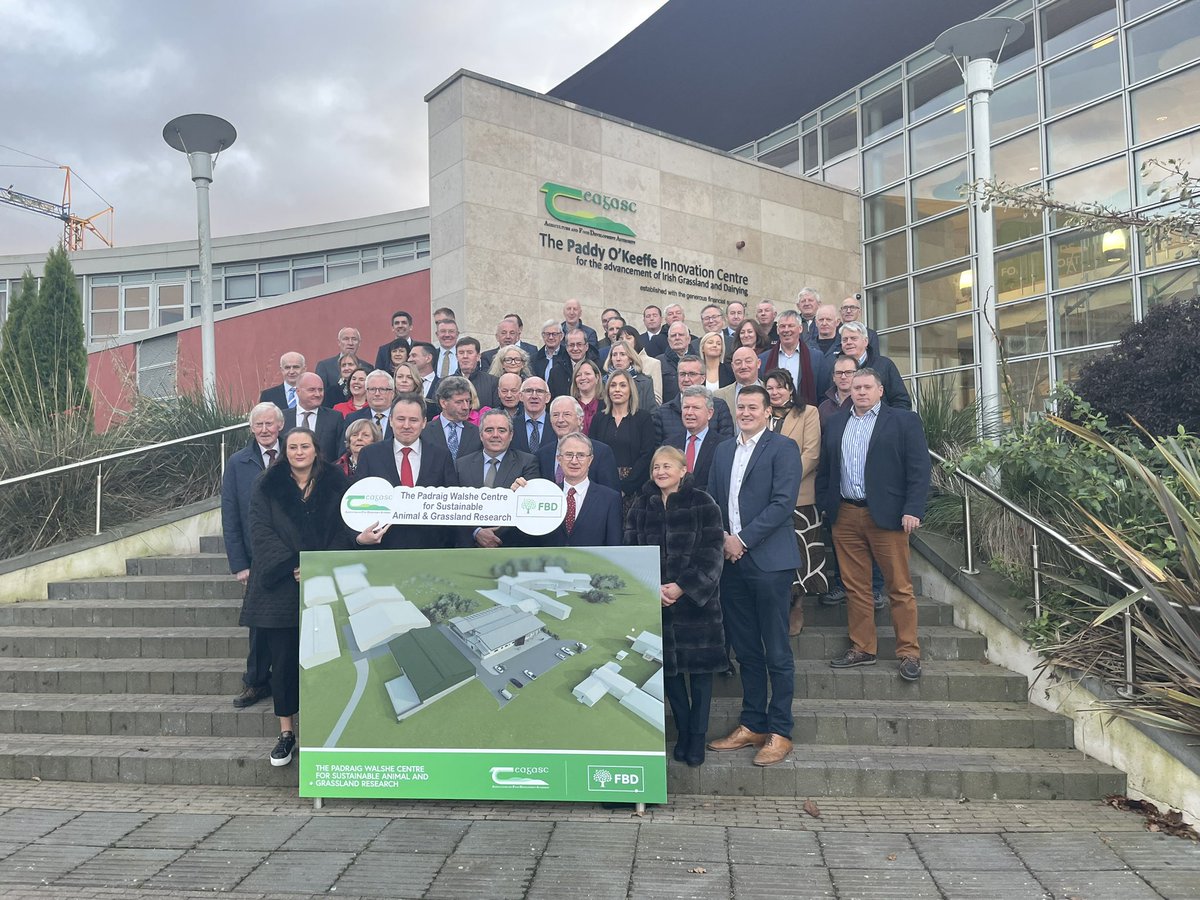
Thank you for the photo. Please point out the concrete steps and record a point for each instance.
(130, 679)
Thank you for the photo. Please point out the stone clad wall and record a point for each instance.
(495, 248)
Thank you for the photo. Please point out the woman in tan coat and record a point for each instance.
(795, 419)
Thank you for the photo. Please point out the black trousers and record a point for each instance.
(284, 647)
(258, 661)
(689, 702)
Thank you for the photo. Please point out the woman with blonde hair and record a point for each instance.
(717, 372)
(627, 429)
(511, 359)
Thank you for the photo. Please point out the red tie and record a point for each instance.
(691, 454)
(406, 479)
(570, 510)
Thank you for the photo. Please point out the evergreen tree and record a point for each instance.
(16, 351)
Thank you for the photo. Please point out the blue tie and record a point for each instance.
(452, 440)
(535, 437)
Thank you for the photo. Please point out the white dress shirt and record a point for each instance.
(581, 490)
(414, 459)
(741, 459)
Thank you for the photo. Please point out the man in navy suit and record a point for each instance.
(566, 417)
(508, 332)
(309, 413)
(451, 430)
(593, 510)
(402, 330)
(348, 340)
(381, 391)
(872, 484)
(445, 359)
(668, 416)
(283, 395)
(531, 424)
(698, 441)
(237, 485)
(408, 460)
(755, 479)
(496, 465)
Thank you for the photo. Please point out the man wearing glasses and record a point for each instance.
(551, 363)
(668, 417)
(380, 392)
(851, 311)
(531, 424)
(593, 511)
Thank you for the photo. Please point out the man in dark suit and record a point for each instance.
(242, 470)
(401, 331)
(531, 424)
(807, 303)
(699, 441)
(755, 479)
(409, 460)
(566, 417)
(735, 315)
(572, 319)
(856, 344)
(851, 311)
(380, 394)
(348, 340)
(872, 485)
(283, 395)
(445, 358)
(792, 355)
(508, 332)
(422, 356)
(486, 388)
(551, 357)
(309, 413)
(654, 338)
(593, 510)
(451, 429)
(496, 465)
(668, 417)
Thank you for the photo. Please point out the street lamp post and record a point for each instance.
(971, 45)
(202, 137)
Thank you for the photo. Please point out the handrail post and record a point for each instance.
(968, 541)
(99, 490)
(1128, 691)
(1036, 564)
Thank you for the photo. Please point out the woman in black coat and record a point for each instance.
(295, 506)
(628, 430)
(673, 514)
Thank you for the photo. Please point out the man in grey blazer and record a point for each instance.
(496, 465)
(755, 479)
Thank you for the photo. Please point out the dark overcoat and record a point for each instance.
(689, 536)
(281, 526)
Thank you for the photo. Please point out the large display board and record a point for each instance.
(522, 674)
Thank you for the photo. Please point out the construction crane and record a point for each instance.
(74, 227)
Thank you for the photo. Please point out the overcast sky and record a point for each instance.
(326, 98)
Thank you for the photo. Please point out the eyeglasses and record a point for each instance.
(379, 390)
(573, 457)
(850, 306)
(837, 374)
(533, 391)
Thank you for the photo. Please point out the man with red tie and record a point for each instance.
(593, 510)
(410, 461)
(698, 442)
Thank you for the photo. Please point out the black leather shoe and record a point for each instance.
(695, 751)
(681, 748)
(251, 695)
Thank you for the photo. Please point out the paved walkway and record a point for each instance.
(67, 840)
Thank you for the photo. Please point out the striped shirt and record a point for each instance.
(855, 440)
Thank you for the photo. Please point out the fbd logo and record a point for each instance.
(619, 779)
(574, 215)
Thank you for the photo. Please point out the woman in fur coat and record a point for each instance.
(296, 506)
(680, 519)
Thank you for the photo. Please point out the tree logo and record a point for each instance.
(619, 779)
(602, 777)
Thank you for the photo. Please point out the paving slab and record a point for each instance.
(1173, 884)
(586, 840)
(439, 836)
(297, 872)
(465, 877)
(512, 839)
(253, 833)
(207, 870)
(1105, 885)
(869, 851)
(42, 863)
(24, 825)
(391, 875)
(173, 830)
(762, 847)
(785, 882)
(118, 868)
(965, 884)
(886, 884)
(335, 833)
(1144, 850)
(970, 851)
(96, 829)
(687, 843)
(1051, 852)
(581, 878)
(663, 879)
(9, 847)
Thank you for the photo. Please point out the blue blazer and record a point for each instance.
(897, 466)
(766, 499)
(241, 472)
(597, 521)
(604, 464)
(437, 470)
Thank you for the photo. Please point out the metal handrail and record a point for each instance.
(968, 567)
(99, 461)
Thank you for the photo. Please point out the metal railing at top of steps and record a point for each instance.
(99, 461)
(1064, 542)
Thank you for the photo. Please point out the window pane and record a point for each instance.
(1018, 55)
(104, 324)
(1106, 183)
(1097, 131)
(811, 160)
(841, 135)
(1093, 316)
(937, 191)
(137, 319)
(936, 87)
(942, 293)
(938, 140)
(1080, 258)
(1071, 22)
(1028, 386)
(945, 345)
(368, 265)
(883, 212)
(1168, 105)
(302, 278)
(883, 164)
(845, 173)
(137, 298)
(883, 115)
(895, 347)
(1018, 161)
(1020, 272)
(343, 271)
(271, 284)
(1069, 366)
(1167, 287)
(1186, 149)
(887, 306)
(941, 240)
(886, 258)
(1012, 225)
(1172, 248)
(170, 304)
(1023, 328)
(960, 385)
(1164, 42)
(1014, 106)
(1081, 77)
(105, 298)
(240, 287)
(1135, 8)
(786, 157)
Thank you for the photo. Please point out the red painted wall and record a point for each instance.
(248, 346)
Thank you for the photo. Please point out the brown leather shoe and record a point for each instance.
(775, 750)
(796, 619)
(737, 739)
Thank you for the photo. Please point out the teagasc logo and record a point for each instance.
(360, 503)
(583, 218)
